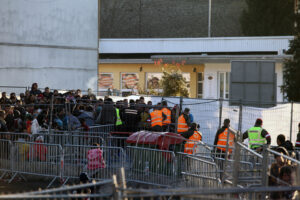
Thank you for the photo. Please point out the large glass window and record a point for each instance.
(223, 85)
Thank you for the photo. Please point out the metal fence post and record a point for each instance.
(265, 166)
(220, 111)
(176, 119)
(180, 103)
(12, 156)
(51, 114)
(240, 116)
(291, 122)
(265, 176)
(236, 159)
(62, 164)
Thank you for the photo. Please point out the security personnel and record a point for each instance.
(167, 112)
(257, 136)
(118, 121)
(184, 121)
(221, 139)
(191, 145)
(157, 118)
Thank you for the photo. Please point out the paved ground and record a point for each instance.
(18, 185)
(22, 186)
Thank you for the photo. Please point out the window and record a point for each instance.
(223, 85)
(153, 81)
(200, 85)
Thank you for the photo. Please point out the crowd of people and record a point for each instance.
(35, 110)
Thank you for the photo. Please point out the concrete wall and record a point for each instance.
(54, 43)
(169, 18)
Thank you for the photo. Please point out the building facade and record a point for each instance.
(208, 62)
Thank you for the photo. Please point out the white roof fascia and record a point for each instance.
(198, 59)
(195, 45)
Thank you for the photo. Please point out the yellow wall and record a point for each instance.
(117, 69)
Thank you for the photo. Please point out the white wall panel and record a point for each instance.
(51, 42)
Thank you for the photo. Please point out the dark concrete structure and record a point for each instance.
(169, 18)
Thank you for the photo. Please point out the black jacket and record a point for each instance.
(108, 114)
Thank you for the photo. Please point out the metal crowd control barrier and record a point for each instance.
(198, 172)
(31, 158)
(92, 190)
(5, 154)
(152, 166)
(100, 128)
(249, 166)
(77, 161)
(15, 136)
(70, 138)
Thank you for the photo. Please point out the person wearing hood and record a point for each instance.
(88, 116)
(108, 114)
(298, 137)
(70, 121)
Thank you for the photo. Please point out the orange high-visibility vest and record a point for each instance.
(156, 118)
(191, 145)
(222, 140)
(182, 125)
(167, 112)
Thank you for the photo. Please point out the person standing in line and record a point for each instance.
(298, 137)
(257, 136)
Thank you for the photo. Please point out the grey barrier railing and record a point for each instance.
(55, 161)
